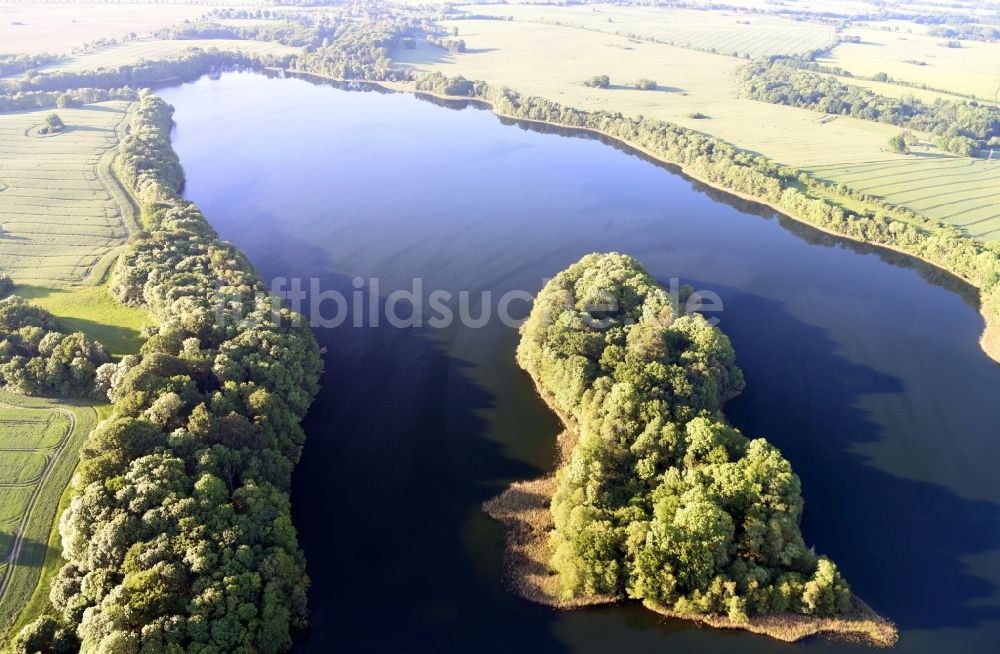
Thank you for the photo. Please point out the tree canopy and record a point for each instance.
(659, 498)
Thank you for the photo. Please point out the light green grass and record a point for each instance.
(31, 429)
(957, 190)
(973, 69)
(37, 560)
(32, 26)
(153, 49)
(59, 217)
(91, 310)
(724, 32)
(21, 467)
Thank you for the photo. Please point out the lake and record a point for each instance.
(863, 368)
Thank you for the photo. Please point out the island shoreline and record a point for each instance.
(523, 511)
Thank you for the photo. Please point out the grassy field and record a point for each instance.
(973, 69)
(134, 51)
(59, 217)
(833, 147)
(89, 309)
(39, 445)
(720, 31)
(59, 28)
(958, 190)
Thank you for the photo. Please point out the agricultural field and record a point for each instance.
(39, 445)
(61, 212)
(59, 28)
(132, 52)
(972, 69)
(723, 32)
(508, 53)
(958, 190)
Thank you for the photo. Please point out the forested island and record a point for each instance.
(656, 497)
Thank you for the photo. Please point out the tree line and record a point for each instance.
(178, 536)
(658, 498)
(960, 126)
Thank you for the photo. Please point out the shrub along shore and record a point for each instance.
(655, 497)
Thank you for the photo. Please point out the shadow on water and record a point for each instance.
(900, 542)
(392, 476)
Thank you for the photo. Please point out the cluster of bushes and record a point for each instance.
(451, 45)
(802, 196)
(443, 85)
(296, 33)
(31, 100)
(52, 124)
(38, 358)
(968, 32)
(179, 535)
(598, 82)
(659, 499)
(961, 127)
(14, 64)
(189, 64)
(359, 50)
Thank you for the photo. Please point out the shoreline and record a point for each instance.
(523, 510)
(989, 340)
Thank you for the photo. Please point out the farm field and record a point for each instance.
(59, 28)
(723, 32)
(891, 90)
(958, 190)
(973, 69)
(507, 53)
(60, 213)
(39, 445)
(134, 51)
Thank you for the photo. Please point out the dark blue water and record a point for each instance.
(864, 369)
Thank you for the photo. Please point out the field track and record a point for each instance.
(15, 551)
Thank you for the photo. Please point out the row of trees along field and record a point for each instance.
(960, 126)
(179, 535)
(800, 195)
(659, 498)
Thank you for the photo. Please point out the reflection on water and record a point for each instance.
(869, 378)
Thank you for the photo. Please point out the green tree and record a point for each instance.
(898, 144)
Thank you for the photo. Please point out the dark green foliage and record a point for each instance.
(179, 535)
(898, 144)
(52, 124)
(6, 285)
(13, 64)
(660, 499)
(38, 358)
(791, 82)
(598, 82)
(46, 635)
